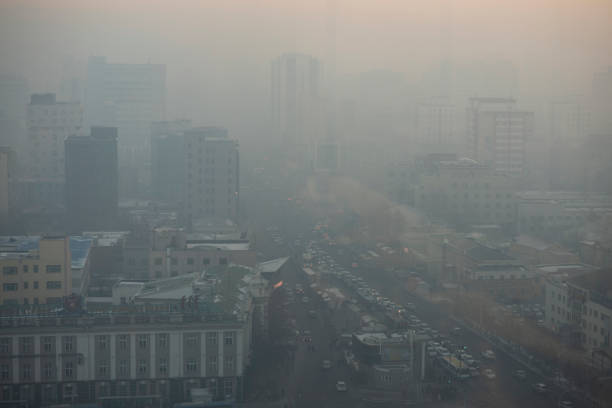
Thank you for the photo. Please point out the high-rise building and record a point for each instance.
(498, 133)
(601, 103)
(128, 97)
(13, 102)
(435, 122)
(166, 155)
(49, 123)
(92, 180)
(211, 185)
(296, 99)
(5, 176)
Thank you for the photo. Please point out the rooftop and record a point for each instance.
(484, 253)
(273, 265)
(20, 246)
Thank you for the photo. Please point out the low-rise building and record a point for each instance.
(466, 192)
(35, 270)
(578, 306)
(170, 336)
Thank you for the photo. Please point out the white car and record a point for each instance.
(490, 374)
(341, 386)
(326, 364)
(489, 354)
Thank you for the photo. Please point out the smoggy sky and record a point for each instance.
(217, 52)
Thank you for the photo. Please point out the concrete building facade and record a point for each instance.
(39, 276)
(92, 180)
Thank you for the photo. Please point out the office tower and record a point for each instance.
(13, 103)
(601, 103)
(49, 123)
(296, 99)
(166, 158)
(5, 176)
(498, 133)
(128, 97)
(435, 120)
(92, 180)
(211, 185)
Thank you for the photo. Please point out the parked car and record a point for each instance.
(326, 364)
(341, 386)
(489, 354)
(520, 375)
(540, 388)
(489, 373)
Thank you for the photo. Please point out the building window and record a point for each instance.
(35, 284)
(27, 344)
(102, 342)
(102, 368)
(10, 287)
(35, 267)
(173, 261)
(192, 340)
(212, 363)
(68, 344)
(228, 338)
(47, 342)
(68, 370)
(189, 261)
(158, 261)
(26, 372)
(25, 285)
(48, 371)
(163, 366)
(163, 341)
(53, 268)
(228, 387)
(25, 268)
(123, 342)
(54, 285)
(229, 362)
(69, 393)
(5, 343)
(191, 366)
(143, 341)
(206, 261)
(123, 368)
(9, 270)
(222, 261)
(4, 372)
(211, 338)
(142, 367)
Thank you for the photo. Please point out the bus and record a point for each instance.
(456, 367)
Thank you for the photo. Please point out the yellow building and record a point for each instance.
(33, 276)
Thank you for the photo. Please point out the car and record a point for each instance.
(540, 388)
(326, 364)
(312, 314)
(305, 299)
(566, 404)
(306, 332)
(488, 354)
(341, 386)
(489, 373)
(520, 375)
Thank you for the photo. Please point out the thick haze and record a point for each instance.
(217, 53)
